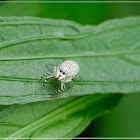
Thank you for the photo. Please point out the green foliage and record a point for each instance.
(108, 55)
(123, 121)
(62, 118)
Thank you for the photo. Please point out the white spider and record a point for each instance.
(65, 72)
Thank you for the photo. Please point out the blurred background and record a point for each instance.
(124, 120)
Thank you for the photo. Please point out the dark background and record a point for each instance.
(124, 120)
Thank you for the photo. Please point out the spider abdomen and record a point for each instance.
(70, 68)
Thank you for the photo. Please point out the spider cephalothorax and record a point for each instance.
(65, 72)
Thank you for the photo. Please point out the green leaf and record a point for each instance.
(62, 118)
(108, 55)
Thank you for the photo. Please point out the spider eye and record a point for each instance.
(62, 72)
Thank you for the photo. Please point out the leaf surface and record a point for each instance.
(62, 118)
(108, 56)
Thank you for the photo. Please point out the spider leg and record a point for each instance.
(61, 89)
(61, 62)
(62, 86)
(49, 77)
(71, 85)
(46, 74)
(49, 65)
(55, 71)
(78, 77)
(69, 80)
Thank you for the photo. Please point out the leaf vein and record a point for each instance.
(72, 56)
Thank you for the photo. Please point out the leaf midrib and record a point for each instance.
(53, 81)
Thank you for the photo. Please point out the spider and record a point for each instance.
(65, 72)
